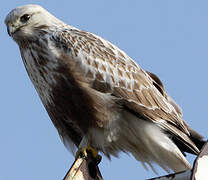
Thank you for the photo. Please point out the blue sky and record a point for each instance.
(169, 38)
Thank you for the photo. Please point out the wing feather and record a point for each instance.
(142, 92)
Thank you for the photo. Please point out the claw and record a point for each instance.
(83, 152)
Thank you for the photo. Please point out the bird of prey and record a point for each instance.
(96, 96)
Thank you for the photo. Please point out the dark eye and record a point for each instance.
(25, 18)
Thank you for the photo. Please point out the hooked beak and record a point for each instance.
(8, 31)
(11, 29)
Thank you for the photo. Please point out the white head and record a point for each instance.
(24, 21)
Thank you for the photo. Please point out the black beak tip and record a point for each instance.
(8, 31)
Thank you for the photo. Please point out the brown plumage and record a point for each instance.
(96, 95)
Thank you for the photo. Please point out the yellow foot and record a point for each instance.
(84, 152)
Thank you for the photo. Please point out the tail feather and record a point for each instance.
(197, 138)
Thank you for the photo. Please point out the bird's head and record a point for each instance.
(25, 21)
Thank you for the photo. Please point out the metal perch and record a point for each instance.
(85, 168)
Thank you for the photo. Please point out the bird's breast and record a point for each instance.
(67, 103)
